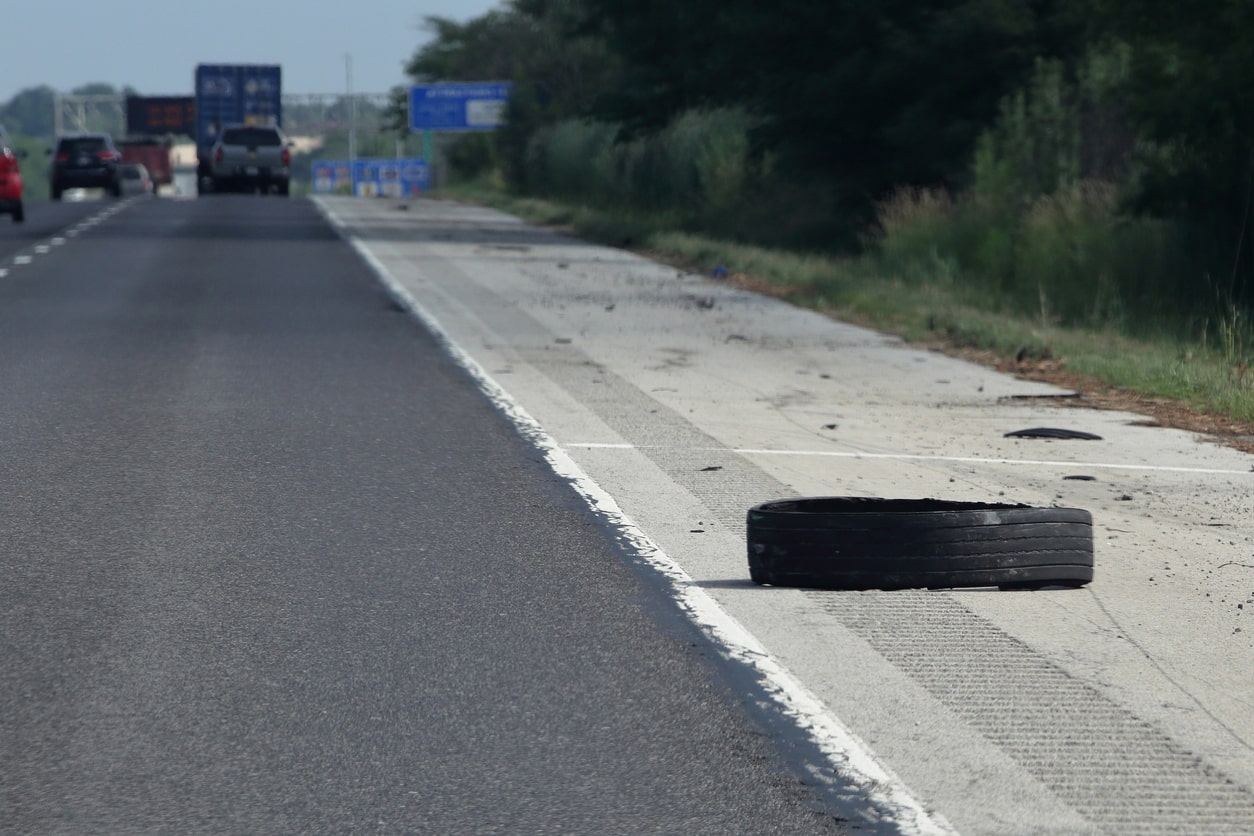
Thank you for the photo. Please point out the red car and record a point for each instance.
(10, 179)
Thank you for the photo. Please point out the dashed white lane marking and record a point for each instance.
(846, 754)
(72, 232)
(746, 451)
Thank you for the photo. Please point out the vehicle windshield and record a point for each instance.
(252, 137)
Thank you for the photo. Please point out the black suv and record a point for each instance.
(86, 161)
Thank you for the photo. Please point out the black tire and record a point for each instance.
(56, 192)
(284, 189)
(868, 543)
(19, 213)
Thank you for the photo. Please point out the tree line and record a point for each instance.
(32, 112)
(841, 106)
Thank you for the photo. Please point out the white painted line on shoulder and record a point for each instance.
(747, 451)
(3, 273)
(56, 242)
(846, 754)
(41, 249)
(978, 460)
(23, 259)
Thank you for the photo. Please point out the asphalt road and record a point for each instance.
(43, 222)
(1122, 707)
(269, 562)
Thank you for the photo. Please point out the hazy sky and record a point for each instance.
(155, 47)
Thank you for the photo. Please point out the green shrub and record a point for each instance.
(564, 157)
(1065, 254)
(915, 230)
(471, 155)
(699, 165)
(1040, 231)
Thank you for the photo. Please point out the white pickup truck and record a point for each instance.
(251, 158)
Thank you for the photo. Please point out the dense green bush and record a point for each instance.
(1068, 258)
(699, 164)
(561, 159)
(1042, 229)
(471, 155)
(700, 170)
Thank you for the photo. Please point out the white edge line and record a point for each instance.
(748, 451)
(845, 752)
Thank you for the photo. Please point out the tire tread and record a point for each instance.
(831, 545)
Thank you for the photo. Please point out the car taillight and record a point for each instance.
(217, 157)
(106, 155)
(63, 158)
(286, 157)
(8, 161)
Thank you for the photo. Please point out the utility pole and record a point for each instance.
(352, 109)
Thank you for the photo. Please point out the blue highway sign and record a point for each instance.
(458, 107)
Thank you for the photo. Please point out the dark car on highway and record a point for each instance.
(86, 161)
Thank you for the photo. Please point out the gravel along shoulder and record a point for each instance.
(1124, 706)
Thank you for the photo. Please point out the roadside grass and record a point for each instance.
(927, 305)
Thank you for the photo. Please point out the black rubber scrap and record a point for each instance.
(871, 543)
(1053, 432)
